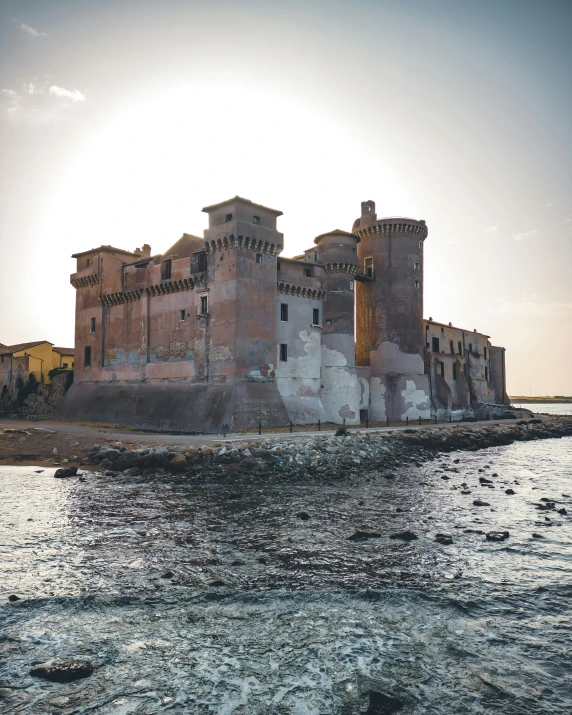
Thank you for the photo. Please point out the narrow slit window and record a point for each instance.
(284, 312)
(368, 267)
(87, 355)
(417, 284)
(485, 353)
(315, 257)
(416, 265)
(202, 262)
(460, 346)
(283, 352)
(316, 316)
(487, 374)
(442, 369)
(259, 257)
(278, 265)
(182, 315)
(204, 304)
(92, 325)
(435, 345)
(166, 270)
(471, 348)
(454, 371)
(87, 262)
(452, 347)
(351, 285)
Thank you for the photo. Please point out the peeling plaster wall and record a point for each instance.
(398, 397)
(389, 358)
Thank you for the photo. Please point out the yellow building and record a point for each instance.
(18, 362)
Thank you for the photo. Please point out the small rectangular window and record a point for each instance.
(181, 315)
(328, 323)
(87, 262)
(416, 265)
(87, 356)
(284, 312)
(416, 284)
(283, 352)
(202, 262)
(92, 325)
(316, 316)
(228, 218)
(485, 353)
(486, 374)
(442, 369)
(307, 272)
(256, 220)
(436, 346)
(315, 257)
(259, 257)
(204, 304)
(454, 371)
(452, 347)
(277, 265)
(471, 348)
(368, 267)
(460, 346)
(166, 270)
(351, 285)
(65, 364)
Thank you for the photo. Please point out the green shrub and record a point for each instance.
(28, 388)
(69, 381)
(342, 432)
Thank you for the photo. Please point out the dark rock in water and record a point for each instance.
(109, 473)
(474, 531)
(168, 574)
(562, 511)
(546, 506)
(65, 472)
(63, 671)
(234, 495)
(484, 480)
(444, 539)
(478, 502)
(509, 491)
(444, 476)
(238, 562)
(456, 461)
(465, 491)
(13, 597)
(382, 704)
(358, 535)
(303, 515)
(404, 536)
(497, 535)
(217, 583)
(388, 475)
(535, 535)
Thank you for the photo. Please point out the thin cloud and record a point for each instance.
(32, 31)
(524, 234)
(74, 94)
(490, 229)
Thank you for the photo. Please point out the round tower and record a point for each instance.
(389, 297)
(338, 255)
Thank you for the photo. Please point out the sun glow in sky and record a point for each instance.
(120, 120)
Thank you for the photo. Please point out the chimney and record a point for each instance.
(146, 252)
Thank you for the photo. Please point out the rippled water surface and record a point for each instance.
(219, 598)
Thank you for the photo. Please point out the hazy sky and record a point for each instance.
(121, 119)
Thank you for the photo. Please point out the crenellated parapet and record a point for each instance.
(394, 225)
(350, 268)
(78, 281)
(228, 243)
(116, 298)
(198, 281)
(300, 291)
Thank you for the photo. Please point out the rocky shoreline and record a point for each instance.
(329, 457)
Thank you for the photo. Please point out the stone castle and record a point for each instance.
(224, 332)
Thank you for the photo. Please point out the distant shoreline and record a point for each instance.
(543, 400)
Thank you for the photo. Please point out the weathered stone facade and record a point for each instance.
(223, 331)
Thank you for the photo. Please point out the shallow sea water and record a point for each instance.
(267, 613)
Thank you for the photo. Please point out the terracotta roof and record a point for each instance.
(64, 351)
(186, 245)
(11, 349)
(106, 249)
(206, 209)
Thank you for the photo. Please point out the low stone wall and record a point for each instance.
(41, 403)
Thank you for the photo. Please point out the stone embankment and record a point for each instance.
(320, 456)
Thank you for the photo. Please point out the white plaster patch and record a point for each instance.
(377, 411)
(389, 358)
(364, 393)
(416, 401)
(341, 390)
(333, 358)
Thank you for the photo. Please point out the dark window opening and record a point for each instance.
(308, 272)
(259, 257)
(486, 374)
(417, 284)
(92, 325)
(65, 364)
(485, 353)
(368, 267)
(166, 270)
(204, 304)
(181, 315)
(202, 262)
(283, 352)
(228, 218)
(436, 347)
(284, 312)
(416, 265)
(316, 316)
(87, 355)
(278, 265)
(87, 262)
(256, 220)
(454, 371)
(442, 369)
(329, 323)
(315, 257)
(460, 346)
(471, 348)
(452, 347)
